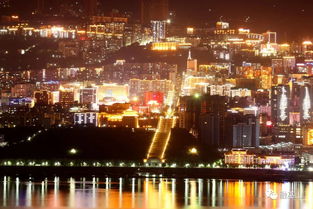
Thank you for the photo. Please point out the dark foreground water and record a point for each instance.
(152, 193)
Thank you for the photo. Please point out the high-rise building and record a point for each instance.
(138, 87)
(280, 103)
(270, 37)
(189, 112)
(88, 95)
(66, 97)
(241, 128)
(158, 30)
(23, 90)
(157, 10)
(192, 64)
(89, 118)
(277, 65)
(42, 97)
(211, 122)
(306, 101)
(247, 133)
(289, 64)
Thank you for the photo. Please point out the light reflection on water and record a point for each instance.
(151, 193)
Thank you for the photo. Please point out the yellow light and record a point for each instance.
(285, 45)
(190, 30)
(57, 29)
(310, 137)
(197, 95)
(243, 31)
(73, 151)
(307, 43)
(193, 151)
(164, 46)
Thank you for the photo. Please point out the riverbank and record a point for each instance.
(214, 173)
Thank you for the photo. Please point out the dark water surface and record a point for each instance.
(152, 193)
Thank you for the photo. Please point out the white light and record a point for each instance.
(283, 105)
(306, 104)
(73, 151)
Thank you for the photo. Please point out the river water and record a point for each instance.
(152, 193)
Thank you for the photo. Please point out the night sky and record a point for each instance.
(292, 19)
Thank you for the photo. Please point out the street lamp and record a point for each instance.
(197, 95)
(73, 151)
(193, 151)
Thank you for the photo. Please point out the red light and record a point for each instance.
(83, 38)
(269, 123)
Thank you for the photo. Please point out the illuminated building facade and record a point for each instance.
(192, 64)
(127, 118)
(106, 30)
(112, 93)
(158, 30)
(88, 95)
(23, 90)
(275, 161)
(222, 25)
(240, 92)
(55, 97)
(306, 109)
(264, 74)
(164, 46)
(194, 84)
(268, 49)
(153, 97)
(239, 157)
(280, 103)
(289, 64)
(270, 37)
(308, 136)
(280, 112)
(88, 118)
(277, 65)
(214, 68)
(66, 97)
(221, 90)
(138, 87)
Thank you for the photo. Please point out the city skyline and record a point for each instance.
(279, 14)
(156, 97)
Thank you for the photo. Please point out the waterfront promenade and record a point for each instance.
(166, 172)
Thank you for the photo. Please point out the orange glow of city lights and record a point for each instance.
(307, 43)
(310, 137)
